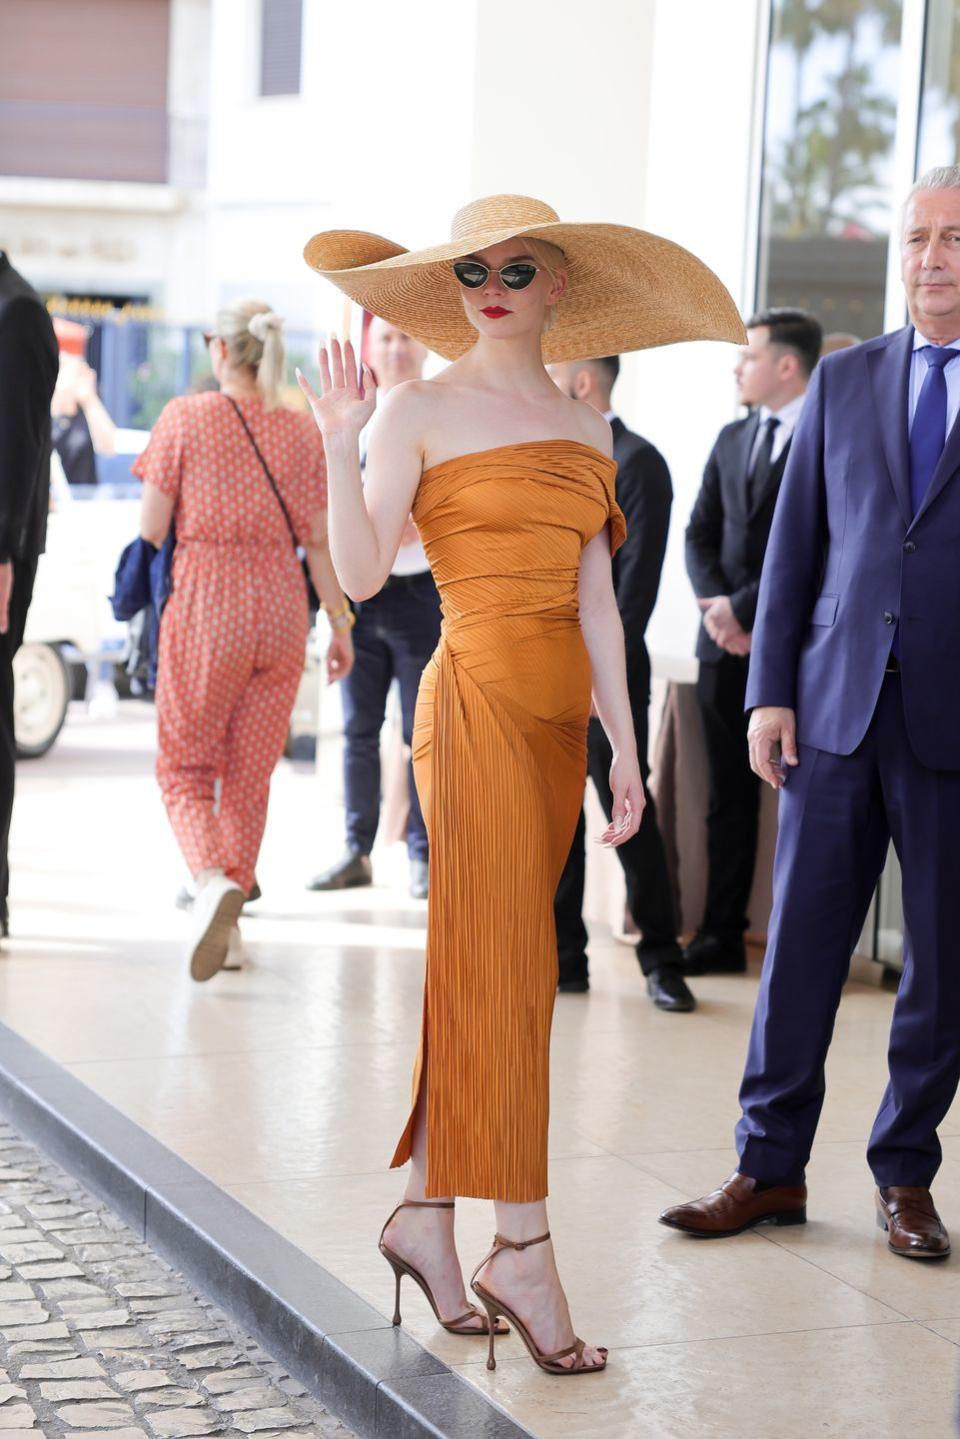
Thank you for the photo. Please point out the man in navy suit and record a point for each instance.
(855, 679)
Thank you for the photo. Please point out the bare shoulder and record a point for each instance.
(592, 427)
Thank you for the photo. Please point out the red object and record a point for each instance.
(71, 337)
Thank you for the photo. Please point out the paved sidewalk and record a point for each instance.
(288, 1084)
(98, 1337)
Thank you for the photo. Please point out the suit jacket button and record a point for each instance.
(910, 547)
(887, 617)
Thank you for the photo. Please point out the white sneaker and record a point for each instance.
(234, 959)
(216, 910)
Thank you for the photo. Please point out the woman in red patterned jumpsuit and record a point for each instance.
(234, 631)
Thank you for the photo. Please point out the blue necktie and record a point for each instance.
(928, 434)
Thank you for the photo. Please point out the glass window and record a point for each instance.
(281, 36)
(829, 127)
(939, 140)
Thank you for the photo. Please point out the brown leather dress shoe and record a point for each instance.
(736, 1206)
(914, 1228)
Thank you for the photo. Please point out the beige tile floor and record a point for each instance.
(288, 1084)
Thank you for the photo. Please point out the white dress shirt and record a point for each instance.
(918, 373)
(786, 417)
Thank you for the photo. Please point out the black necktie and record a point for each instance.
(763, 463)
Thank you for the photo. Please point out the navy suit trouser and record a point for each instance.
(837, 816)
(396, 633)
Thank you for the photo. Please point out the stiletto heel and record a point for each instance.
(462, 1324)
(398, 1275)
(549, 1363)
(492, 1317)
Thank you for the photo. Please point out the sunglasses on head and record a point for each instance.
(516, 276)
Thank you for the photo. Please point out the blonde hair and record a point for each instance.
(552, 259)
(253, 335)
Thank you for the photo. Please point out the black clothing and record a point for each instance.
(726, 541)
(28, 372)
(645, 495)
(29, 361)
(728, 531)
(397, 631)
(24, 573)
(73, 443)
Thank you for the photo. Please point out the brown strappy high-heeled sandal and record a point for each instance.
(400, 1267)
(550, 1363)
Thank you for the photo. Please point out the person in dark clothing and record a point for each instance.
(645, 495)
(725, 544)
(28, 373)
(82, 428)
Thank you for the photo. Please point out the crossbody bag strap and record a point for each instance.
(266, 471)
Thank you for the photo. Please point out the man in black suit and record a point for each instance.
(28, 373)
(725, 544)
(645, 495)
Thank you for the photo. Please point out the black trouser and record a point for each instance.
(644, 861)
(396, 633)
(734, 807)
(24, 574)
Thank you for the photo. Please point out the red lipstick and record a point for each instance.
(493, 312)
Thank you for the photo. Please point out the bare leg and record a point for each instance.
(424, 1237)
(528, 1281)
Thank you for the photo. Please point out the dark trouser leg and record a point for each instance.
(733, 812)
(924, 1057)
(831, 845)
(568, 909)
(414, 631)
(643, 858)
(24, 573)
(364, 697)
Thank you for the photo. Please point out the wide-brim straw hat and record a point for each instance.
(628, 289)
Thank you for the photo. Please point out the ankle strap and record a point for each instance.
(418, 1204)
(500, 1244)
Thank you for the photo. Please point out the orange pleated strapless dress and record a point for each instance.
(499, 753)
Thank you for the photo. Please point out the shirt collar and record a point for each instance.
(919, 341)
(609, 416)
(787, 415)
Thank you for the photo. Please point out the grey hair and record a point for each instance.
(940, 177)
(254, 337)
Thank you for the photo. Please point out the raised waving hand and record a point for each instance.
(346, 401)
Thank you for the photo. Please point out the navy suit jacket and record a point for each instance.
(848, 562)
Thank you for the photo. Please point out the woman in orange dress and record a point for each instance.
(511, 485)
(234, 631)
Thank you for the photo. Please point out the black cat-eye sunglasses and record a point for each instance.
(516, 276)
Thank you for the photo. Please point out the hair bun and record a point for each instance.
(263, 322)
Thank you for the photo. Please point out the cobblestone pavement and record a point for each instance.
(100, 1339)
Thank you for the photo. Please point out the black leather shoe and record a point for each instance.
(351, 872)
(573, 978)
(709, 954)
(668, 990)
(419, 879)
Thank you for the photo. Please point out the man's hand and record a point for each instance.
(722, 625)
(6, 590)
(772, 728)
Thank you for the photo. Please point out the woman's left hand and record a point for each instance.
(628, 802)
(339, 658)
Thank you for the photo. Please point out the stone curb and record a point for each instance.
(372, 1376)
